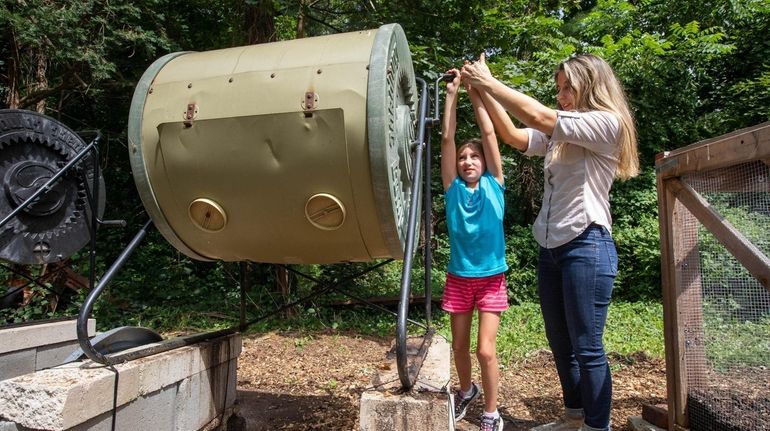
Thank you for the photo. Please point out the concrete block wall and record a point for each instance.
(188, 388)
(30, 348)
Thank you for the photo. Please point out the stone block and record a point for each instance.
(17, 363)
(424, 408)
(33, 336)
(419, 411)
(82, 392)
(8, 426)
(636, 423)
(54, 354)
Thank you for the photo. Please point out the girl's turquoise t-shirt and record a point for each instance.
(475, 224)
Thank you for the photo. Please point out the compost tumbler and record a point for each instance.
(287, 152)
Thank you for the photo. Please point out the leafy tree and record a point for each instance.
(692, 71)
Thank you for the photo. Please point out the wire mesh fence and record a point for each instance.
(715, 239)
(728, 335)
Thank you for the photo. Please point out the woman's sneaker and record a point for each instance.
(563, 424)
(490, 424)
(461, 403)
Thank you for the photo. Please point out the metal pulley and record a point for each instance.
(34, 148)
(288, 152)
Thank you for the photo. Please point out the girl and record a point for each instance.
(472, 176)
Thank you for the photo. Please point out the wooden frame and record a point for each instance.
(678, 250)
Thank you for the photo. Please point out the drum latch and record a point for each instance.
(190, 113)
(309, 104)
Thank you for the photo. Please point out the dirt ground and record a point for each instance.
(314, 382)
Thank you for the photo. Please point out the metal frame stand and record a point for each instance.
(408, 375)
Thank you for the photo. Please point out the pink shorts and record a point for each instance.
(462, 294)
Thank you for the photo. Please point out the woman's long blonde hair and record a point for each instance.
(597, 89)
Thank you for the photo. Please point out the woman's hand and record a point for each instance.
(477, 73)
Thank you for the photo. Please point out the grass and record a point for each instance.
(631, 327)
(733, 342)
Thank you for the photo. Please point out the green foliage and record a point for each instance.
(521, 255)
(38, 307)
(726, 282)
(635, 327)
(636, 233)
(692, 71)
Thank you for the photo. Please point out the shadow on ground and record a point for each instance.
(268, 411)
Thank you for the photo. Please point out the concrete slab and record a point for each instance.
(33, 336)
(434, 374)
(636, 423)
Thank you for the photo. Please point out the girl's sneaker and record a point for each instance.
(461, 403)
(490, 424)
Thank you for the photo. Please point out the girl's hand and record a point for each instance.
(476, 73)
(454, 85)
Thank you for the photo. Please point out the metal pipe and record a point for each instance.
(88, 304)
(403, 306)
(92, 250)
(244, 269)
(428, 203)
(436, 119)
(427, 207)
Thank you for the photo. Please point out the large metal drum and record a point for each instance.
(287, 152)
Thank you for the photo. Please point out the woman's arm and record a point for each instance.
(509, 133)
(488, 138)
(528, 110)
(448, 128)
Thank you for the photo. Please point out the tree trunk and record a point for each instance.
(12, 97)
(283, 283)
(41, 80)
(301, 20)
(260, 22)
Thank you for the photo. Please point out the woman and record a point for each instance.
(587, 142)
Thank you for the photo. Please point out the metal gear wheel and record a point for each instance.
(33, 148)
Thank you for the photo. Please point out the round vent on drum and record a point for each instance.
(325, 211)
(33, 148)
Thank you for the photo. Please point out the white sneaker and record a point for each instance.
(487, 423)
(563, 424)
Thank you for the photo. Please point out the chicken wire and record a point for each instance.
(724, 310)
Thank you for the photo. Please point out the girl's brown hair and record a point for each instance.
(473, 143)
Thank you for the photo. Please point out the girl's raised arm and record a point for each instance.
(448, 129)
(488, 138)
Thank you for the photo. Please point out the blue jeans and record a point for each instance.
(575, 285)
